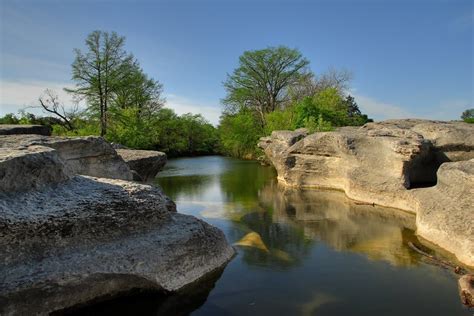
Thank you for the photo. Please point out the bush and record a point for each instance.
(239, 134)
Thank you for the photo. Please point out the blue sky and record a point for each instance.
(409, 58)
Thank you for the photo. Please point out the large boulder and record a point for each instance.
(147, 163)
(384, 163)
(91, 156)
(68, 239)
(30, 168)
(445, 212)
(7, 129)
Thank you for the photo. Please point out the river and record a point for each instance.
(299, 252)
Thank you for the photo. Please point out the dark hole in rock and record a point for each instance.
(421, 171)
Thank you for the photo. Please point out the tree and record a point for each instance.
(49, 101)
(261, 81)
(100, 71)
(141, 92)
(468, 115)
(311, 85)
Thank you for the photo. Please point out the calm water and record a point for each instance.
(299, 252)
(306, 252)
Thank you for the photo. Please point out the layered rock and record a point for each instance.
(67, 239)
(381, 162)
(91, 156)
(7, 129)
(147, 163)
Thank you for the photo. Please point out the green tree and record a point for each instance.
(468, 116)
(139, 91)
(260, 83)
(239, 134)
(100, 72)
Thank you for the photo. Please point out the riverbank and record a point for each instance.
(425, 167)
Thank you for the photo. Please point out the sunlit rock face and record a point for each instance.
(66, 239)
(445, 212)
(381, 163)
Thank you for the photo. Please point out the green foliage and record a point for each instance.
(260, 83)
(9, 118)
(26, 118)
(326, 110)
(239, 134)
(188, 134)
(468, 116)
(108, 77)
(280, 120)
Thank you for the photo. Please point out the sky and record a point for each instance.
(409, 58)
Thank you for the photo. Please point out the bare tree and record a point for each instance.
(311, 85)
(50, 102)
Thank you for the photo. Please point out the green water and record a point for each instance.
(305, 252)
(299, 252)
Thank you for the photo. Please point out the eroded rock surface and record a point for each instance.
(382, 162)
(67, 239)
(91, 156)
(466, 289)
(7, 129)
(445, 212)
(147, 163)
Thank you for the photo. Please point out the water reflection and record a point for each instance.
(276, 225)
(305, 252)
(329, 216)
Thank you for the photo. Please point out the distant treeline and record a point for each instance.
(271, 89)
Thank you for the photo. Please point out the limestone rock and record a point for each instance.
(7, 129)
(466, 289)
(381, 162)
(90, 237)
(445, 212)
(91, 156)
(30, 168)
(67, 239)
(147, 163)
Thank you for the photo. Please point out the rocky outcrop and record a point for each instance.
(466, 289)
(6, 129)
(67, 239)
(147, 163)
(91, 156)
(388, 163)
(445, 212)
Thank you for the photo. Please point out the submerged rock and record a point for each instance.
(67, 239)
(147, 163)
(381, 163)
(7, 129)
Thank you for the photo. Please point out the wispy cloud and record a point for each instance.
(182, 105)
(381, 110)
(449, 109)
(18, 95)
